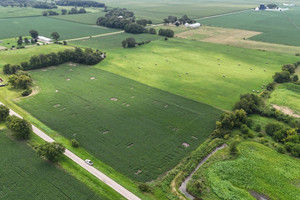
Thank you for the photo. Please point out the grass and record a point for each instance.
(287, 94)
(9, 12)
(277, 27)
(165, 64)
(144, 129)
(258, 168)
(15, 27)
(10, 42)
(87, 18)
(26, 176)
(111, 42)
(20, 55)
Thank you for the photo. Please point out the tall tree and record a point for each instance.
(55, 36)
(19, 127)
(51, 151)
(34, 34)
(4, 112)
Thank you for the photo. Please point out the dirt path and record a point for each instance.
(182, 187)
(102, 177)
(220, 15)
(93, 36)
(286, 110)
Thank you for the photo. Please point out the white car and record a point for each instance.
(89, 162)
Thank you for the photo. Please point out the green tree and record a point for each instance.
(63, 11)
(34, 34)
(51, 151)
(19, 127)
(45, 13)
(152, 31)
(74, 143)
(130, 42)
(20, 41)
(250, 103)
(282, 77)
(4, 112)
(55, 36)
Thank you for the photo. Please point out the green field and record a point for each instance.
(113, 41)
(15, 27)
(88, 18)
(143, 128)
(287, 95)
(8, 12)
(165, 64)
(258, 168)
(26, 176)
(276, 27)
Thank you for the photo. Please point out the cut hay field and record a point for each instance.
(288, 95)
(112, 41)
(195, 69)
(258, 168)
(26, 176)
(119, 120)
(277, 27)
(15, 27)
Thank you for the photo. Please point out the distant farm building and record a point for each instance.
(196, 25)
(44, 39)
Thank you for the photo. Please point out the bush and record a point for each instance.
(27, 92)
(74, 143)
(4, 112)
(145, 188)
(258, 128)
(152, 31)
(245, 129)
(271, 128)
(233, 148)
(250, 103)
(51, 151)
(290, 68)
(134, 28)
(19, 127)
(166, 32)
(282, 77)
(281, 149)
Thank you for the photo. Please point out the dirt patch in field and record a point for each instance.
(92, 78)
(235, 37)
(35, 90)
(114, 99)
(185, 144)
(258, 196)
(138, 172)
(56, 91)
(67, 79)
(2, 47)
(286, 110)
(130, 145)
(72, 64)
(56, 105)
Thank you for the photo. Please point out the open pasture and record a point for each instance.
(87, 18)
(8, 12)
(15, 27)
(112, 41)
(209, 73)
(258, 168)
(277, 27)
(119, 120)
(26, 176)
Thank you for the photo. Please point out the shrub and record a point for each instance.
(250, 103)
(258, 128)
(152, 31)
(233, 148)
(281, 149)
(166, 32)
(290, 68)
(51, 151)
(271, 128)
(19, 127)
(245, 129)
(27, 92)
(74, 143)
(4, 112)
(145, 188)
(282, 77)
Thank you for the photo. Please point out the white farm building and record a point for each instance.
(196, 25)
(44, 39)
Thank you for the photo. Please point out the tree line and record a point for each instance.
(80, 3)
(64, 12)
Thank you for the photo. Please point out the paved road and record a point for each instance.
(108, 181)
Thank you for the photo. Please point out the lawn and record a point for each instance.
(112, 41)
(26, 176)
(277, 27)
(119, 120)
(287, 94)
(15, 27)
(258, 168)
(196, 70)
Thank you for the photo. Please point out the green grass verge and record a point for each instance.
(258, 168)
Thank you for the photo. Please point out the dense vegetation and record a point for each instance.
(79, 3)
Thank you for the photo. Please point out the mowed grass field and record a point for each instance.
(15, 27)
(112, 41)
(196, 70)
(26, 176)
(277, 27)
(287, 95)
(258, 168)
(119, 120)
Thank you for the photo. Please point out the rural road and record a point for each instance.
(93, 36)
(102, 177)
(220, 15)
(183, 185)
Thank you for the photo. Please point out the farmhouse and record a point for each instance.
(196, 25)
(44, 39)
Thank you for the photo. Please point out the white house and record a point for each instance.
(44, 39)
(196, 25)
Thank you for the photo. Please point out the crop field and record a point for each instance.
(112, 41)
(119, 120)
(15, 27)
(287, 95)
(88, 18)
(258, 168)
(21, 55)
(8, 12)
(26, 176)
(277, 27)
(209, 73)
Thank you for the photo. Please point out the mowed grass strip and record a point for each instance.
(138, 130)
(209, 73)
(112, 41)
(277, 27)
(258, 168)
(26, 176)
(45, 26)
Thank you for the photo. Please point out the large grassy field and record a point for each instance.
(26, 176)
(45, 26)
(119, 120)
(287, 95)
(277, 27)
(87, 18)
(8, 12)
(196, 70)
(258, 168)
(112, 41)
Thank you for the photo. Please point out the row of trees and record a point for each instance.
(21, 129)
(64, 12)
(166, 32)
(131, 42)
(287, 73)
(80, 3)
(184, 19)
